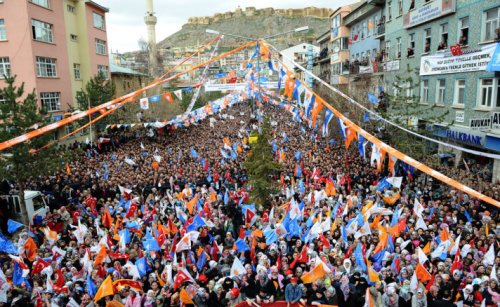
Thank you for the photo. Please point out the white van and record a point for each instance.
(35, 205)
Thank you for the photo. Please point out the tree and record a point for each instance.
(97, 91)
(19, 163)
(407, 110)
(261, 167)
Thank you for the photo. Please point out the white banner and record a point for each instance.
(144, 102)
(238, 86)
(446, 63)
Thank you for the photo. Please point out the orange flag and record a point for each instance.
(155, 165)
(372, 275)
(101, 256)
(391, 163)
(163, 229)
(213, 197)
(114, 303)
(317, 273)
(350, 135)
(330, 189)
(31, 249)
(185, 298)
(68, 170)
(422, 274)
(427, 248)
(289, 87)
(382, 239)
(105, 289)
(376, 221)
(180, 196)
(168, 97)
(190, 204)
(444, 236)
(107, 220)
(318, 106)
(172, 227)
(391, 200)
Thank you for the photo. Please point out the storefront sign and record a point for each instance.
(428, 12)
(464, 137)
(445, 63)
(492, 122)
(391, 66)
(459, 116)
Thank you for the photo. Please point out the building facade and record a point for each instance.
(339, 59)
(365, 69)
(419, 35)
(54, 47)
(322, 65)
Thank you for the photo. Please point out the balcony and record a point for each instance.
(362, 67)
(380, 28)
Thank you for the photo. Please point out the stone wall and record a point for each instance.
(252, 11)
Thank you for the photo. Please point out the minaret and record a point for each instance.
(150, 20)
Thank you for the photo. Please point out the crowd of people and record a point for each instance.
(163, 218)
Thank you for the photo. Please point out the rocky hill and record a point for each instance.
(252, 23)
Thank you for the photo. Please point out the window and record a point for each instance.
(364, 32)
(489, 93)
(411, 45)
(443, 33)
(344, 43)
(424, 91)
(4, 67)
(440, 88)
(76, 70)
(400, 7)
(459, 92)
(387, 50)
(389, 9)
(51, 101)
(491, 20)
(73, 37)
(2, 99)
(427, 40)
(409, 90)
(44, 3)
(398, 48)
(46, 67)
(100, 46)
(463, 31)
(103, 70)
(3, 31)
(71, 9)
(41, 31)
(98, 21)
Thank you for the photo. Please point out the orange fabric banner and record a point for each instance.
(105, 289)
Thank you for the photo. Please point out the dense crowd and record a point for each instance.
(162, 217)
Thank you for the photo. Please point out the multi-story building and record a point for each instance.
(365, 69)
(419, 35)
(339, 58)
(322, 65)
(54, 47)
(300, 54)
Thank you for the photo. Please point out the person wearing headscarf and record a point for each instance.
(419, 299)
(390, 297)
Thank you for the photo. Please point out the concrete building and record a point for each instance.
(322, 66)
(365, 69)
(299, 54)
(419, 35)
(339, 58)
(54, 47)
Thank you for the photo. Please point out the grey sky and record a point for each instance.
(125, 20)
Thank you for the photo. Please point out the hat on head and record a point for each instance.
(235, 292)
(294, 279)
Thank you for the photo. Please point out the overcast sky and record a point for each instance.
(125, 20)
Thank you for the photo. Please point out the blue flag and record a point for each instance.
(151, 245)
(155, 98)
(382, 184)
(271, 236)
(241, 245)
(197, 223)
(226, 198)
(7, 246)
(91, 287)
(201, 261)
(294, 229)
(366, 117)
(142, 266)
(13, 226)
(360, 261)
(275, 146)
(361, 147)
(378, 257)
(125, 235)
(194, 154)
(372, 98)
(469, 219)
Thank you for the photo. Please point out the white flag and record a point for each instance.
(326, 225)
(418, 208)
(363, 231)
(178, 94)
(489, 257)
(493, 274)
(421, 224)
(144, 103)
(4, 284)
(157, 158)
(237, 268)
(130, 161)
(422, 258)
(395, 181)
(454, 249)
(414, 283)
(142, 146)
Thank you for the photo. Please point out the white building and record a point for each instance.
(299, 54)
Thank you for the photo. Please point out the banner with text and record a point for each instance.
(445, 63)
(237, 86)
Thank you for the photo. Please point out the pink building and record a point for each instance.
(54, 47)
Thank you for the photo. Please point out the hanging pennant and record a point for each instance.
(168, 97)
(178, 94)
(144, 103)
